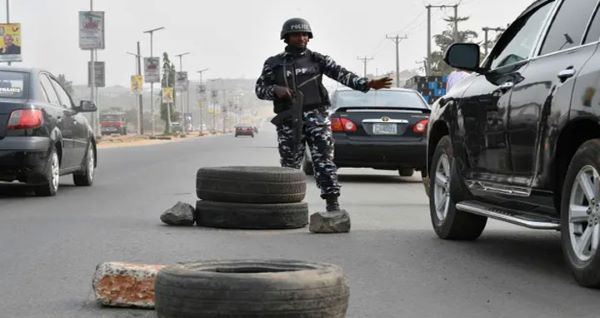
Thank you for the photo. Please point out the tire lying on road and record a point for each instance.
(251, 215)
(251, 288)
(251, 184)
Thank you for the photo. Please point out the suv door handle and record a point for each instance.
(566, 74)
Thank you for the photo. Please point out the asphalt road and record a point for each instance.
(394, 263)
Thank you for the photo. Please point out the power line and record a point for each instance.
(365, 59)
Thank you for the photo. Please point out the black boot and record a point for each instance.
(332, 203)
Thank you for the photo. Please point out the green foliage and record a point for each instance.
(443, 41)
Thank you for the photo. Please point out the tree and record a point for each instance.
(443, 41)
(67, 85)
(168, 80)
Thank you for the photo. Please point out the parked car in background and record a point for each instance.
(176, 127)
(519, 140)
(382, 129)
(113, 123)
(43, 134)
(244, 130)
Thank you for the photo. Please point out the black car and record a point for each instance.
(382, 129)
(519, 140)
(43, 135)
(244, 130)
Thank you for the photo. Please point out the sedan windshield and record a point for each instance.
(12, 84)
(382, 98)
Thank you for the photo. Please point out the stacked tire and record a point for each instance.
(246, 197)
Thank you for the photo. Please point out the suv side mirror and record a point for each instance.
(464, 56)
(86, 106)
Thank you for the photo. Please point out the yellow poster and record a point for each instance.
(10, 42)
(167, 95)
(137, 83)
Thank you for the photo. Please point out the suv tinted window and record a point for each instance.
(49, 90)
(568, 26)
(594, 31)
(13, 84)
(523, 39)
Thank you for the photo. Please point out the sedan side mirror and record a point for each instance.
(464, 56)
(86, 106)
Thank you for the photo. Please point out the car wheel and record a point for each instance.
(251, 215)
(580, 215)
(251, 288)
(448, 222)
(86, 176)
(406, 172)
(50, 186)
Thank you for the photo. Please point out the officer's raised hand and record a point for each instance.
(282, 92)
(384, 82)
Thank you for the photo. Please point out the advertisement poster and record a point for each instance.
(91, 30)
(137, 84)
(167, 95)
(10, 42)
(152, 69)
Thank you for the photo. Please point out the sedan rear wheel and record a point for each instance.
(86, 176)
(50, 186)
(580, 215)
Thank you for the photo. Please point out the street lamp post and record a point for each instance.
(202, 109)
(151, 32)
(187, 90)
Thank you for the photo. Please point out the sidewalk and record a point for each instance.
(117, 141)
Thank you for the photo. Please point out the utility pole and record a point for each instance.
(138, 71)
(8, 17)
(486, 30)
(397, 39)
(364, 59)
(428, 7)
(96, 117)
(180, 56)
(202, 106)
(151, 32)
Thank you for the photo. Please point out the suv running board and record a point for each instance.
(510, 216)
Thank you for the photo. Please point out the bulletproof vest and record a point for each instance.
(301, 72)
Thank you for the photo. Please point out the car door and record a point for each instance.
(63, 121)
(77, 121)
(484, 107)
(543, 97)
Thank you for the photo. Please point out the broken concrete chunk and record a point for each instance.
(180, 214)
(330, 222)
(119, 284)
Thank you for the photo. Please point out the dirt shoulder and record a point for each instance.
(144, 140)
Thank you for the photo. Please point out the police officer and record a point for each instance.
(299, 69)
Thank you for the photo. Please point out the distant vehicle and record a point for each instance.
(43, 135)
(519, 139)
(382, 129)
(244, 130)
(176, 127)
(113, 123)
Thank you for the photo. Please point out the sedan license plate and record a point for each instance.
(385, 129)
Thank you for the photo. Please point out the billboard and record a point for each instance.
(10, 42)
(167, 95)
(99, 74)
(91, 30)
(181, 81)
(137, 83)
(152, 69)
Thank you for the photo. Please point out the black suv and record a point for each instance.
(519, 140)
(42, 133)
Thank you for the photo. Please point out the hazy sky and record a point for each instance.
(233, 37)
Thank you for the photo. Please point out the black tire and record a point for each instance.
(251, 289)
(455, 224)
(251, 215)
(49, 187)
(251, 184)
(406, 172)
(585, 268)
(85, 177)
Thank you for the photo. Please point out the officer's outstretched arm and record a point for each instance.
(342, 75)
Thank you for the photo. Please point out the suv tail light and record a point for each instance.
(25, 119)
(420, 127)
(343, 125)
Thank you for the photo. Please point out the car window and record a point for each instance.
(517, 47)
(381, 98)
(568, 26)
(13, 84)
(63, 96)
(49, 90)
(593, 34)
